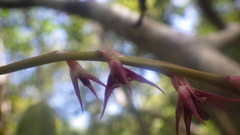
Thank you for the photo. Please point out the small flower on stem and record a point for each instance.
(119, 75)
(78, 72)
(190, 101)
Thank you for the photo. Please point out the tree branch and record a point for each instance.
(73, 7)
(171, 45)
(207, 9)
(224, 38)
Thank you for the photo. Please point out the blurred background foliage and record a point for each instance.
(41, 100)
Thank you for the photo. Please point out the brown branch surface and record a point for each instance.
(164, 42)
(227, 37)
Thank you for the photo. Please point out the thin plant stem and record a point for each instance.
(155, 65)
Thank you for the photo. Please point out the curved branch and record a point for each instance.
(159, 66)
(224, 38)
(155, 37)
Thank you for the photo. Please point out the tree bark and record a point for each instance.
(224, 38)
(172, 46)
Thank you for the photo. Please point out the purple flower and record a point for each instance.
(78, 72)
(190, 101)
(119, 75)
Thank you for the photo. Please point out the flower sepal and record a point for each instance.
(78, 72)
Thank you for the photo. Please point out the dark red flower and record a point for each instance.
(78, 72)
(190, 101)
(119, 75)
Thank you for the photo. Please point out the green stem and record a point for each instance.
(169, 68)
(52, 57)
(159, 66)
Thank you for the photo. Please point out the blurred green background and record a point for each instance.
(41, 100)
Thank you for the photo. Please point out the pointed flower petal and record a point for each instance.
(209, 97)
(111, 84)
(95, 79)
(187, 120)
(201, 111)
(77, 91)
(187, 100)
(191, 101)
(119, 72)
(179, 111)
(132, 76)
(78, 72)
(119, 75)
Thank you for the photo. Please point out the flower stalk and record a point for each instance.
(155, 65)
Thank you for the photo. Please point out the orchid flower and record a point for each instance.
(78, 72)
(119, 75)
(190, 101)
